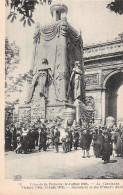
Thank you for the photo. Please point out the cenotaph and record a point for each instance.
(57, 83)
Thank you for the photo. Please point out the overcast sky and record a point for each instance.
(95, 21)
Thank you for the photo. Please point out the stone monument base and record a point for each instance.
(41, 110)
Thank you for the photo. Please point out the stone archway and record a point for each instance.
(111, 84)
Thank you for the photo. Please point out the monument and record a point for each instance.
(103, 63)
(57, 86)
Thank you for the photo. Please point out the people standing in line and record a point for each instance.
(85, 143)
(56, 138)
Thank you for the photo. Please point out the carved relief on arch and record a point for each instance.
(90, 103)
(105, 73)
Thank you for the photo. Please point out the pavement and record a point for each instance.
(51, 165)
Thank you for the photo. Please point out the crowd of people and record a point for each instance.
(25, 138)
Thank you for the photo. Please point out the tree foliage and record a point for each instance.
(9, 108)
(116, 6)
(11, 61)
(25, 8)
(13, 83)
(11, 56)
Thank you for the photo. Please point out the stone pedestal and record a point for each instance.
(69, 115)
(38, 110)
(24, 114)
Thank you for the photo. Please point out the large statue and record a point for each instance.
(41, 77)
(75, 79)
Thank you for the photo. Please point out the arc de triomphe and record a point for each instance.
(103, 64)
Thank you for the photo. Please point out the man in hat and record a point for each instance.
(98, 143)
(86, 139)
(76, 136)
(106, 146)
(42, 139)
(56, 138)
(70, 137)
(8, 138)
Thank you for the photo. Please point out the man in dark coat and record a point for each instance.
(98, 144)
(76, 139)
(36, 136)
(86, 139)
(70, 137)
(14, 137)
(56, 138)
(8, 138)
(31, 139)
(106, 146)
(42, 139)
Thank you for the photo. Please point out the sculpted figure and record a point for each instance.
(76, 80)
(41, 77)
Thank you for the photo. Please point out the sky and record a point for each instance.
(95, 21)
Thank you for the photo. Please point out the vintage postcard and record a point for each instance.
(61, 97)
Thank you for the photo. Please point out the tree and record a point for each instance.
(24, 8)
(12, 59)
(116, 6)
(9, 108)
(13, 83)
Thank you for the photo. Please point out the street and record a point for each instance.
(51, 165)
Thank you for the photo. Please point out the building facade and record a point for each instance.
(103, 64)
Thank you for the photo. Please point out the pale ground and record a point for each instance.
(51, 165)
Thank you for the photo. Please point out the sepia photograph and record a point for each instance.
(63, 90)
